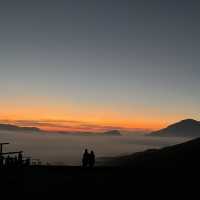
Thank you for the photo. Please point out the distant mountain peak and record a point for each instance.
(112, 132)
(189, 121)
(186, 122)
(10, 127)
(184, 128)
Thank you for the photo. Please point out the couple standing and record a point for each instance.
(88, 159)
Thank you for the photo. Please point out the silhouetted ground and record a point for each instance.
(158, 174)
(74, 181)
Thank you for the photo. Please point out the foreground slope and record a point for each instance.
(181, 155)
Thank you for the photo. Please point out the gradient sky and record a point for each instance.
(100, 63)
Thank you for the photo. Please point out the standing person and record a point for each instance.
(7, 162)
(1, 161)
(85, 158)
(91, 159)
(20, 159)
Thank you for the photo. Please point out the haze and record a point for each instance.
(59, 149)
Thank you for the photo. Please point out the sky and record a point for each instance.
(95, 65)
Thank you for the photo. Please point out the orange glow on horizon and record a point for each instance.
(89, 118)
(83, 124)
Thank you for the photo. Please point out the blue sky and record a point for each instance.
(123, 62)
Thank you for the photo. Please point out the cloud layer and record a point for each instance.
(69, 125)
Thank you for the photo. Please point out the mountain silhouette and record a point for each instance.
(181, 155)
(184, 128)
(112, 132)
(81, 133)
(9, 127)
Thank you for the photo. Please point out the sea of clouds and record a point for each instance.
(63, 149)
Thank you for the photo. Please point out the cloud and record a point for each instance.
(68, 125)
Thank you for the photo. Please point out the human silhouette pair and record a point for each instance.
(88, 159)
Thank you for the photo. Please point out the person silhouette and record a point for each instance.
(85, 159)
(1, 161)
(7, 162)
(91, 159)
(20, 159)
